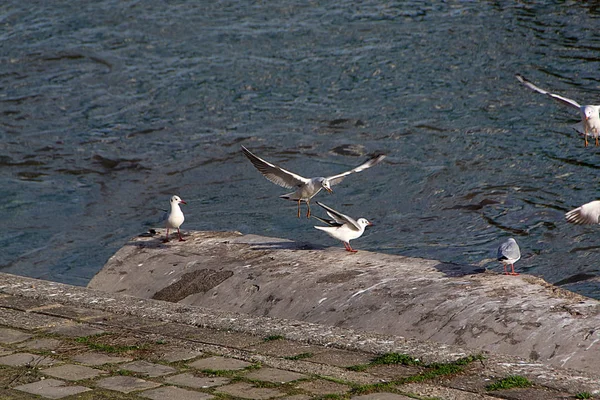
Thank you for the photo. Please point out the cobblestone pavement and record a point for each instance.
(55, 350)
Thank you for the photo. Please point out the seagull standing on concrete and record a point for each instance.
(174, 218)
(342, 227)
(590, 115)
(508, 254)
(306, 188)
(587, 214)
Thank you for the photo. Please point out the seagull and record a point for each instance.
(342, 227)
(306, 188)
(174, 218)
(587, 214)
(590, 115)
(508, 254)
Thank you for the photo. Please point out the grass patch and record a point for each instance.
(358, 368)
(125, 372)
(513, 381)
(299, 356)
(395, 358)
(108, 348)
(583, 395)
(273, 337)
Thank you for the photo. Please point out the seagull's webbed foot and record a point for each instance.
(349, 248)
(181, 239)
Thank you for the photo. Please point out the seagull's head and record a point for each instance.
(177, 200)
(590, 112)
(363, 222)
(326, 185)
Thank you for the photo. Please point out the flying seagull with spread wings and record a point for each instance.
(590, 115)
(305, 188)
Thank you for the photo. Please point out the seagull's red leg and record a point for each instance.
(298, 208)
(597, 144)
(505, 271)
(349, 248)
(585, 132)
(166, 239)
(180, 238)
(512, 266)
(308, 209)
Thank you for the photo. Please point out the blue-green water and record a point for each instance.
(110, 107)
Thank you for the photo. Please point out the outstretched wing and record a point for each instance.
(330, 222)
(558, 97)
(588, 213)
(275, 174)
(335, 179)
(340, 218)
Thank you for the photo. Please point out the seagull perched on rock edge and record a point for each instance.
(508, 254)
(342, 227)
(174, 218)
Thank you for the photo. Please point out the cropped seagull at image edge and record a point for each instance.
(587, 214)
(306, 188)
(590, 115)
(342, 227)
(174, 217)
(508, 254)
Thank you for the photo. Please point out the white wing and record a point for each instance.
(340, 218)
(275, 174)
(558, 97)
(335, 179)
(586, 214)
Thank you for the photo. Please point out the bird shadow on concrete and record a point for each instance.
(458, 270)
(286, 246)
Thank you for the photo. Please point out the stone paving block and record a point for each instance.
(341, 358)
(426, 390)
(177, 354)
(20, 359)
(21, 303)
(127, 321)
(530, 394)
(77, 330)
(197, 382)
(219, 364)
(30, 321)
(247, 391)
(284, 348)
(170, 392)
(72, 372)
(381, 396)
(75, 313)
(322, 387)
(10, 336)
(275, 375)
(223, 338)
(125, 384)
(148, 368)
(98, 359)
(296, 397)
(4, 351)
(41, 344)
(52, 389)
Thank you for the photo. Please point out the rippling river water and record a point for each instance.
(110, 107)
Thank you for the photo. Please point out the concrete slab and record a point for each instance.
(322, 387)
(10, 336)
(21, 303)
(285, 348)
(381, 396)
(441, 392)
(96, 359)
(76, 330)
(275, 375)
(75, 313)
(4, 351)
(381, 293)
(221, 337)
(52, 389)
(247, 391)
(125, 384)
(197, 382)
(21, 359)
(218, 363)
(171, 392)
(41, 344)
(147, 368)
(177, 354)
(341, 358)
(28, 321)
(72, 372)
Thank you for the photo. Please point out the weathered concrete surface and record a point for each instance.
(415, 298)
